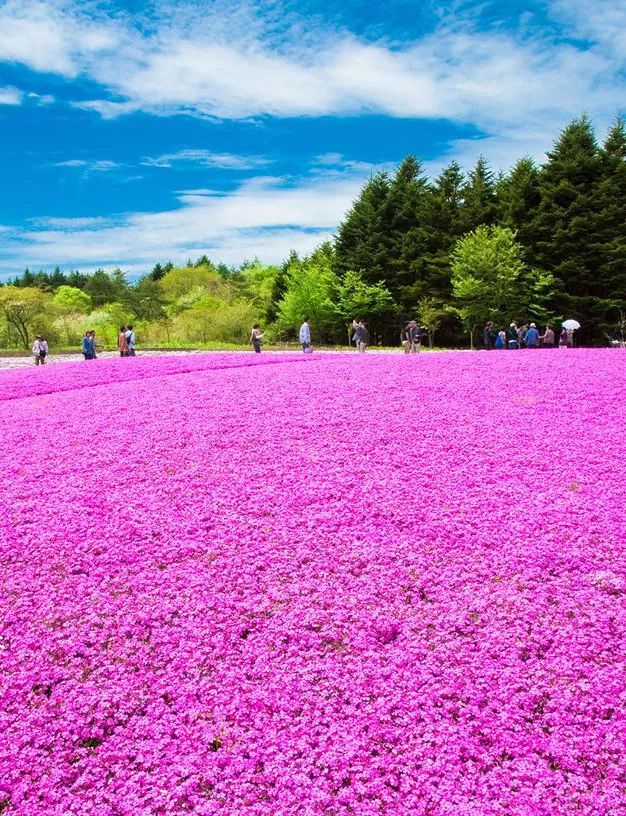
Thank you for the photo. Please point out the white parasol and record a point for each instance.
(571, 324)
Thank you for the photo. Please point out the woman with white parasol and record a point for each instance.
(566, 340)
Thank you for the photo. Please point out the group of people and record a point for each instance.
(412, 337)
(40, 349)
(126, 340)
(525, 336)
(361, 335)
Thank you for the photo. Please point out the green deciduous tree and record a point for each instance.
(311, 291)
(490, 280)
(70, 299)
(26, 310)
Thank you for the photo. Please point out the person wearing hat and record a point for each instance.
(532, 337)
(40, 350)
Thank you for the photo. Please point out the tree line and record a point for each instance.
(539, 242)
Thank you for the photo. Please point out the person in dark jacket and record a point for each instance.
(512, 337)
(489, 336)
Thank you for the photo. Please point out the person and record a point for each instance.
(305, 335)
(563, 339)
(122, 343)
(130, 340)
(88, 346)
(500, 342)
(356, 332)
(414, 337)
(255, 338)
(521, 335)
(40, 350)
(489, 336)
(532, 336)
(512, 337)
(617, 337)
(547, 338)
(364, 336)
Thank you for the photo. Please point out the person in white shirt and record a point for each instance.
(130, 340)
(305, 335)
(40, 350)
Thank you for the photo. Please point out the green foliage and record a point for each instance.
(26, 311)
(490, 280)
(311, 291)
(355, 298)
(70, 299)
(431, 313)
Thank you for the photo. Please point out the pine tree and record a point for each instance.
(610, 207)
(428, 246)
(363, 238)
(479, 197)
(406, 196)
(518, 199)
(565, 221)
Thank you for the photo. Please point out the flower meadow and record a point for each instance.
(278, 585)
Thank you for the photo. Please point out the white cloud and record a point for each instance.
(225, 161)
(234, 64)
(91, 166)
(10, 96)
(264, 217)
(601, 21)
(41, 99)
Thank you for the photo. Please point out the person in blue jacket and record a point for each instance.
(89, 346)
(532, 337)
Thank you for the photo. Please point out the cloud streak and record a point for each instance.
(264, 217)
(205, 158)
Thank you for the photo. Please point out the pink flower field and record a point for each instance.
(277, 585)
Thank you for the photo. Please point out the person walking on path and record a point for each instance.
(40, 350)
(547, 338)
(255, 338)
(305, 335)
(513, 341)
(532, 336)
(122, 343)
(500, 340)
(130, 340)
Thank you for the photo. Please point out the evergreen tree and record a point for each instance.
(427, 246)
(363, 238)
(565, 221)
(402, 212)
(157, 272)
(610, 206)
(479, 197)
(518, 198)
(77, 279)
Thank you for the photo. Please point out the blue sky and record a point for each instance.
(135, 132)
